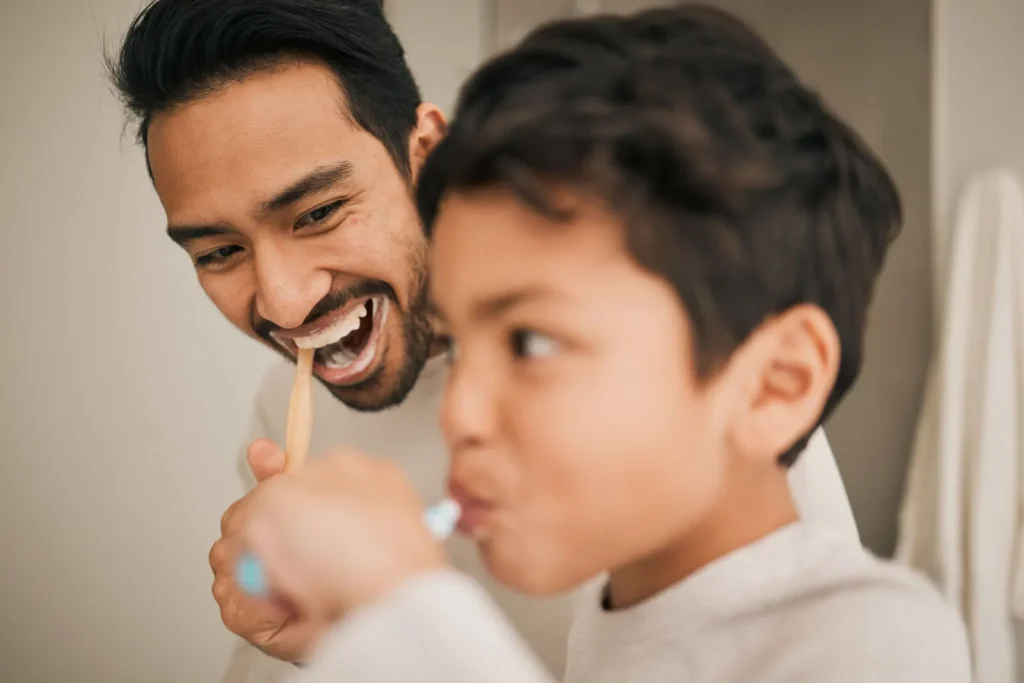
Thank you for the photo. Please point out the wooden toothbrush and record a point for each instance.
(300, 412)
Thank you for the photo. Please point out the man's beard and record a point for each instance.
(417, 337)
(373, 393)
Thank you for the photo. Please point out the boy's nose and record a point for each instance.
(468, 411)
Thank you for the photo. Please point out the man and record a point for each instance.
(283, 138)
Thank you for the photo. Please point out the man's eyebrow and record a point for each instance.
(185, 234)
(318, 180)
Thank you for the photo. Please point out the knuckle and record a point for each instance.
(230, 620)
(269, 487)
(222, 590)
(217, 556)
(250, 621)
(264, 496)
(227, 518)
(222, 556)
(235, 616)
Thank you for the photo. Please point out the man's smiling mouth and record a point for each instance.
(347, 341)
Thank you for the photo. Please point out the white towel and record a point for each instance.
(960, 521)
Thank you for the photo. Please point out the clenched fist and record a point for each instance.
(339, 533)
(273, 627)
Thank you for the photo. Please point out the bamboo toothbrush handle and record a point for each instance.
(300, 412)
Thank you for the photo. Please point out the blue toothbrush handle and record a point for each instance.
(252, 579)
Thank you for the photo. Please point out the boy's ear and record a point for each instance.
(431, 127)
(787, 368)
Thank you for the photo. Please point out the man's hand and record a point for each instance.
(340, 533)
(274, 628)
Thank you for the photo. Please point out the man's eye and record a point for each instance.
(319, 214)
(527, 344)
(217, 257)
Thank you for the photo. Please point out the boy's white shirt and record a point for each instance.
(409, 435)
(801, 605)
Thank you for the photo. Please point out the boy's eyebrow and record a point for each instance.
(494, 307)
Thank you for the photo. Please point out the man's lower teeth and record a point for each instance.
(340, 358)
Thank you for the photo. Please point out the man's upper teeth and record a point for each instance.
(335, 331)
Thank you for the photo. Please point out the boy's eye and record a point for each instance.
(319, 214)
(530, 345)
(217, 257)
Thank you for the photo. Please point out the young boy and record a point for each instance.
(654, 253)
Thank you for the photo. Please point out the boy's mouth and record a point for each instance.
(474, 520)
(347, 341)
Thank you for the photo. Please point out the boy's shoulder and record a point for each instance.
(803, 605)
(859, 618)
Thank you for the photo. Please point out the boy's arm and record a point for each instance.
(436, 628)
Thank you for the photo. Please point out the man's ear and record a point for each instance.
(789, 366)
(429, 130)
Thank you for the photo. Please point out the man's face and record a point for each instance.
(301, 227)
(580, 437)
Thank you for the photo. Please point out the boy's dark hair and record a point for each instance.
(734, 182)
(179, 50)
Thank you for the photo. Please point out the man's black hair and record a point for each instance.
(179, 50)
(733, 181)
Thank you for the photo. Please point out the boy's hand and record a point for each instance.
(339, 533)
(276, 630)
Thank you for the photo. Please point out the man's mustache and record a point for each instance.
(331, 302)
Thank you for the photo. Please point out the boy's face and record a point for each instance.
(580, 437)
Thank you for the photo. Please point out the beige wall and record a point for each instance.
(870, 60)
(978, 99)
(124, 392)
(444, 40)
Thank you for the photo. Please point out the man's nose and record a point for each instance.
(287, 290)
